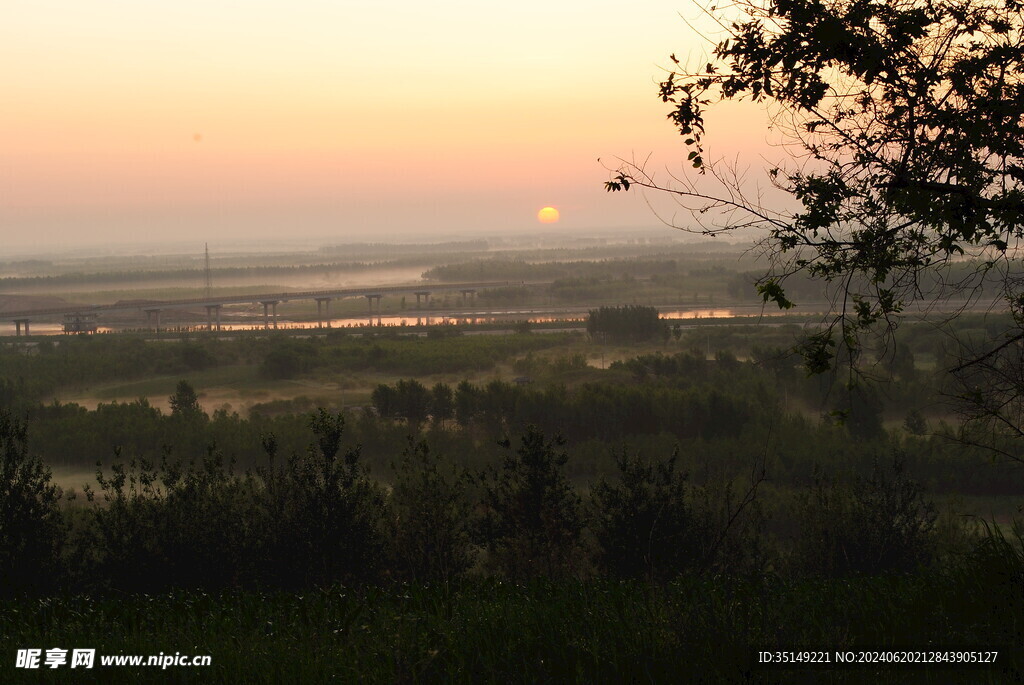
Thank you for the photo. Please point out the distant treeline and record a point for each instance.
(719, 410)
(956, 280)
(604, 412)
(521, 269)
(197, 275)
(291, 357)
(631, 323)
(403, 248)
(30, 374)
(316, 517)
(725, 405)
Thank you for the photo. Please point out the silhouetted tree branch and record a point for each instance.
(903, 129)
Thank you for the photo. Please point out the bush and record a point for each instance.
(532, 524)
(881, 524)
(173, 525)
(631, 323)
(431, 514)
(314, 520)
(322, 517)
(120, 545)
(205, 532)
(645, 525)
(31, 528)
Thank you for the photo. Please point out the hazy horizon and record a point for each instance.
(220, 245)
(210, 122)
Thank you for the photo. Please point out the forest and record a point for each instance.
(640, 459)
(725, 499)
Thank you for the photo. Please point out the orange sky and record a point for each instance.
(221, 120)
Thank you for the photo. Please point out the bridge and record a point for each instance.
(82, 318)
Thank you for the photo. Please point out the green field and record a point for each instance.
(694, 630)
(710, 498)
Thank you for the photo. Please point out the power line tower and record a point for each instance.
(209, 282)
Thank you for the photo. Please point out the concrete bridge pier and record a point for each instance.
(210, 310)
(424, 294)
(468, 291)
(17, 326)
(151, 313)
(267, 306)
(370, 299)
(324, 302)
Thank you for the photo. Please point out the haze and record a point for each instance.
(129, 122)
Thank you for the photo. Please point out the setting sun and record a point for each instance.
(548, 215)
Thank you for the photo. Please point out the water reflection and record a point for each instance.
(44, 328)
(510, 317)
(703, 314)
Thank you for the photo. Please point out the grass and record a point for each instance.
(695, 630)
(1001, 508)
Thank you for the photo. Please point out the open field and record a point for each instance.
(774, 507)
(694, 630)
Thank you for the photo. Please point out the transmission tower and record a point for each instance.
(209, 282)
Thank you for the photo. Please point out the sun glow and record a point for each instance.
(548, 215)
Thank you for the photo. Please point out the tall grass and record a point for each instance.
(696, 629)
(289, 574)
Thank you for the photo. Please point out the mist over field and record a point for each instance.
(634, 376)
(548, 342)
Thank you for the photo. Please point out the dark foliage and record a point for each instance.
(31, 526)
(176, 524)
(880, 524)
(315, 519)
(431, 518)
(184, 402)
(646, 524)
(288, 358)
(630, 323)
(532, 522)
(442, 403)
(324, 517)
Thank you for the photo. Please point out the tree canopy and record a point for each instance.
(904, 129)
(185, 401)
(629, 322)
(907, 118)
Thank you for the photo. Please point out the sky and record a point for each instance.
(216, 121)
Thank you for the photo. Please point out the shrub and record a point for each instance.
(313, 520)
(173, 525)
(120, 545)
(532, 524)
(655, 524)
(879, 524)
(630, 323)
(645, 525)
(31, 529)
(431, 514)
(205, 526)
(323, 518)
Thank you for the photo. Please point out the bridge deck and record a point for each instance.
(263, 297)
